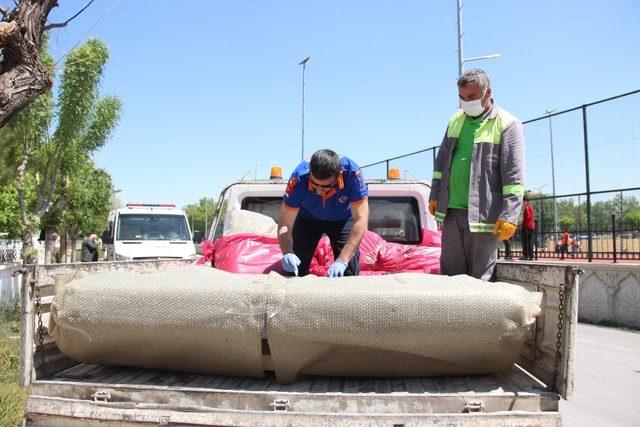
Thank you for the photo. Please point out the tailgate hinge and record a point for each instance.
(101, 396)
(280, 405)
(473, 407)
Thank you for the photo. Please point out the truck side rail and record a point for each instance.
(550, 347)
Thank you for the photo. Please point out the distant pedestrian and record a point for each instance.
(575, 246)
(564, 244)
(90, 249)
(507, 249)
(527, 229)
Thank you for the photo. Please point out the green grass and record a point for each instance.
(12, 397)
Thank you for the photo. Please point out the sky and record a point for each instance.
(211, 90)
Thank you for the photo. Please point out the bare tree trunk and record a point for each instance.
(29, 252)
(49, 245)
(23, 76)
(74, 254)
(67, 247)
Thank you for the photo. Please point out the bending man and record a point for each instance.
(327, 195)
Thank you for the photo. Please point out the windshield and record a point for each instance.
(152, 227)
(395, 219)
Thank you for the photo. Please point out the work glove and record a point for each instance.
(337, 268)
(433, 205)
(504, 230)
(290, 263)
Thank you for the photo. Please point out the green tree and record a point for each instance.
(632, 219)
(566, 223)
(85, 123)
(200, 214)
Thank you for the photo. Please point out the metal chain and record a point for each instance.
(40, 346)
(559, 334)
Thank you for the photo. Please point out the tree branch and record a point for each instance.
(64, 24)
(3, 11)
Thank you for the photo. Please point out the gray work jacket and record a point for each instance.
(496, 182)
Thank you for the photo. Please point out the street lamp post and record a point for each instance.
(553, 180)
(461, 58)
(304, 69)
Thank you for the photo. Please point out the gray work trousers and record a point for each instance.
(464, 252)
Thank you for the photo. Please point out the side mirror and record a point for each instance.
(106, 237)
(197, 236)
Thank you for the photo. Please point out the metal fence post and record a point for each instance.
(613, 232)
(586, 171)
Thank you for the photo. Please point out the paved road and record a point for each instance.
(607, 379)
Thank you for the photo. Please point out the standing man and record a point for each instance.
(327, 195)
(90, 248)
(527, 229)
(478, 180)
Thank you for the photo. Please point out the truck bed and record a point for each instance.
(65, 392)
(184, 396)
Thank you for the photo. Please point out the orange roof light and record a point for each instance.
(394, 173)
(276, 172)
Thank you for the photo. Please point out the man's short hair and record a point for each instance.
(325, 164)
(476, 76)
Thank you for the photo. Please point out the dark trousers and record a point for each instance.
(527, 243)
(308, 231)
(507, 249)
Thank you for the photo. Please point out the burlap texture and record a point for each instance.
(398, 325)
(202, 320)
(192, 319)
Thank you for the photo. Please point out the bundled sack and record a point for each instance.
(190, 319)
(242, 221)
(203, 320)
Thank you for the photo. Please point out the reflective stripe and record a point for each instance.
(481, 227)
(455, 125)
(439, 216)
(491, 130)
(516, 189)
(437, 175)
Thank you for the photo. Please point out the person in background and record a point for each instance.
(90, 247)
(575, 246)
(527, 229)
(564, 243)
(507, 250)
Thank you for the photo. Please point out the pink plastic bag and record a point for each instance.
(259, 254)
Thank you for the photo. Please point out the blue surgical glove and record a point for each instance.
(337, 268)
(290, 263)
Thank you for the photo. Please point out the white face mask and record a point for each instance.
(473, 108)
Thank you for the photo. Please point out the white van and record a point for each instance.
(148, 231)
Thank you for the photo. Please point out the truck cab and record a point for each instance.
(148, 231)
